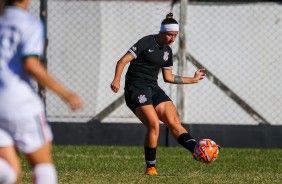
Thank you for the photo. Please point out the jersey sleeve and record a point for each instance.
(138, 47)
(169, 63)
(34, 40)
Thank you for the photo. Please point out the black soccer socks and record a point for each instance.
(150, 156)
(187, 141)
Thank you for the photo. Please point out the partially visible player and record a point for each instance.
(23, 125)
(142, 93)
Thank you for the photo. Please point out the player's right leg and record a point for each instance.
(39, 151)
(33, 138)
(149, 118)
(43, 169)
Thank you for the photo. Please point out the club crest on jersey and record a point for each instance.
(142, 98)
(166, 54)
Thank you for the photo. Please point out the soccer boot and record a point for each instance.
(151, 171)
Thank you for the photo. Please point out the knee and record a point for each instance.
(173, 123)
(154, 127)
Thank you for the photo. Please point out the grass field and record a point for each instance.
(116, 164)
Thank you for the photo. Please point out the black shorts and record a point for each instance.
(140, 96)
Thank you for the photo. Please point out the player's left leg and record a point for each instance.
(9, 160)
(168, 115)
(9, 165)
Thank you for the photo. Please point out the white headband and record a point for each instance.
(169, 27)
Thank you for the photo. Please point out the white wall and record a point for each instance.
(241, 44)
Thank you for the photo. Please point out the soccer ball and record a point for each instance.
(206, 150)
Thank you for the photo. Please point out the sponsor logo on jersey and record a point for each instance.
(150, 50)
(134, 48)
(142, 98)
(166, 54)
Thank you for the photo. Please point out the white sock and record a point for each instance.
(45, 174)
(7, 173)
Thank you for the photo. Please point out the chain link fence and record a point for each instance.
(238, 43)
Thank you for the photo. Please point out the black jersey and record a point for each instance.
(149, 59)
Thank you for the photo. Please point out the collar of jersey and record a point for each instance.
(156, 41)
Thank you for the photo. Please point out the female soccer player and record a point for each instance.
(23, 125)
(142, 93)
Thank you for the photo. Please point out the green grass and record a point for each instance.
(116, 164)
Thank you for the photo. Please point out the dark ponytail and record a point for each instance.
(169, 19)
(2, 6)
(4, 3)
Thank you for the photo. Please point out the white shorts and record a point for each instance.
(28, 133)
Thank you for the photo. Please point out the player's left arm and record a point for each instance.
(169, 77)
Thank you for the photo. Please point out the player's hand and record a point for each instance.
(115, 85)
(199, 74)
(73, 101)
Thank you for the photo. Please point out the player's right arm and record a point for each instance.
(33, 66)
(115, 85)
